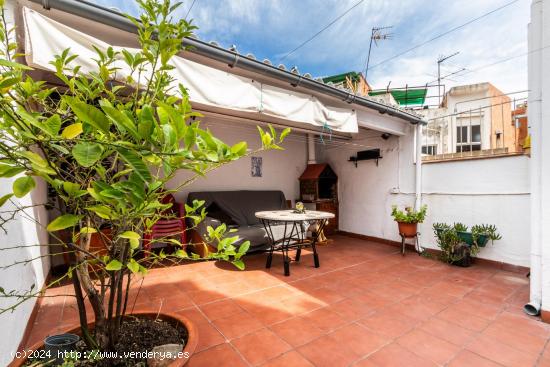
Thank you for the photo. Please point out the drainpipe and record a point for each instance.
(418, 168)
(535, 121)
(311, 149)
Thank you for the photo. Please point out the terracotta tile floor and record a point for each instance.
(365, 306)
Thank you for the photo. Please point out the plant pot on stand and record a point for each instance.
(407, 230)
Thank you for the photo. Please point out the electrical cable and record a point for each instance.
(473, 70)
(443, 34)
(319, 32)
(189, 11)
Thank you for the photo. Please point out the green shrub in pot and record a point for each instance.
(457, 244)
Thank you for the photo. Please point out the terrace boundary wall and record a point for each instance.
(491, 190)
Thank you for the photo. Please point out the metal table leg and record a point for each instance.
(271, 239)
(320, 227)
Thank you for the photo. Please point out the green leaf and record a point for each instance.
(239, 264)
(72, 131)
(87, 154)
(34, 158)
(33, 121)
(244, 247)
(121, 120)
(4, 199)
(133, 266)
(64, 221)
(8, 82)
(71, 188)
(53, 124)
(88, 230)
(133, 237)
(113, 265)
(181, 254)
(239, 148)
(89, 114)
(102, 211)
(23, 185)
(169, 136)
(284, 133)
(9, 171)
(136, 163)
(14, 65)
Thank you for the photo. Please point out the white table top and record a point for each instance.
(291, 216)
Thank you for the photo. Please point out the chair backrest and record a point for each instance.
(169, 199)
(167, 227)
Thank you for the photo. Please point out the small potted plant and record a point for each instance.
(458, 245)
(407, 220)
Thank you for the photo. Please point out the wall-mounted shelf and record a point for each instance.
(365, 155)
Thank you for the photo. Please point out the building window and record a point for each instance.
(429, 149)
(468, 138)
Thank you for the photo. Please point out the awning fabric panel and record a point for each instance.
(45, 38)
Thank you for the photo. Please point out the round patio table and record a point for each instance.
(294, 235)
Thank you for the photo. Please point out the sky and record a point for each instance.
(272, 28)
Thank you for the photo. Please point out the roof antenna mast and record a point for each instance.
(377, 34)
(440, 60)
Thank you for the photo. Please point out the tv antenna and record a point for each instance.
(377, 34)
(440, 60)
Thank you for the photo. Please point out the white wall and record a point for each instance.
(21, 231)
(493, 191)
(281, 168)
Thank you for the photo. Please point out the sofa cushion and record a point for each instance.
(214, 211)
(242, 205)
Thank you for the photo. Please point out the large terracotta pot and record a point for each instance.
(407, 230)
(188, 350)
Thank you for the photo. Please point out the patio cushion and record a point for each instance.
(242, 205)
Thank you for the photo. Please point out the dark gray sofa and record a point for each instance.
(241, 206)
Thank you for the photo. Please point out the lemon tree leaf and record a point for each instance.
(23, 185)
(72, 131)
(62, 222)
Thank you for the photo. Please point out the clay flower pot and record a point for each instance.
(407, 230)
(188, 349)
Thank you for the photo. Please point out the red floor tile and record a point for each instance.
(503, 354)
(468, 359)
(237, 325)
(290, 359)
(222, 355)
(220, 309)
(297, 331)
(324, 351)
(260, 346)
(448, 331)
(395, 355)
(428, 346)
(365, 306)
(389, 324)
(358, 339)
(325, 319)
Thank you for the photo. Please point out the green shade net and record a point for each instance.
(404, 97)
(342, 77)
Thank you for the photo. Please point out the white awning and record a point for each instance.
(45, 38)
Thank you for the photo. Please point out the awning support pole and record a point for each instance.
(418, 168)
